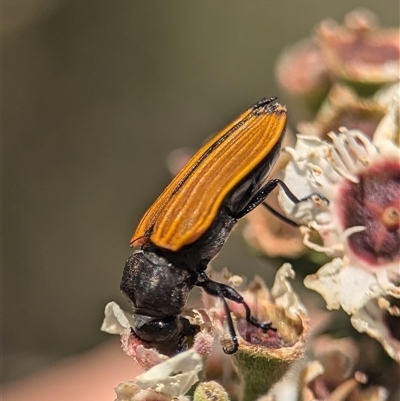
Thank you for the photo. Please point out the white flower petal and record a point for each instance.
(318, 167)
(116, 320)
(343, 286)
(332, 247)
(388, 130)
(312, 370)
(383, 281)
(283, 293)
(371, 321)
(175, 376)
(306, 176)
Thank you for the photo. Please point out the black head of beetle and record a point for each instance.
(158, 292)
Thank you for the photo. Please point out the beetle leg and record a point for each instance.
(225, 291)
(260, 196)
(211, 287)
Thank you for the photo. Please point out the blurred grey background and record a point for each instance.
(95, 96)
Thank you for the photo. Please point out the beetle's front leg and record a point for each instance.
(225, 291)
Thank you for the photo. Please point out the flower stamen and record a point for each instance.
(391, 218)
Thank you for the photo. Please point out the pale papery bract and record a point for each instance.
(129, 391)
(116, 320)
(175, 376)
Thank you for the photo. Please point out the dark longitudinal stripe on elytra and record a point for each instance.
(212, 149)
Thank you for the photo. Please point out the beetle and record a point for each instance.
(190, 221)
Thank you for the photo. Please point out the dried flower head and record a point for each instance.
(334, 370)
(360, 51)
(263, 356)
(304, 77)
(301, 69)
(319, 384)
(343, 108)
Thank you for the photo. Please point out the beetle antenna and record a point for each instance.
(279, 216)
(260, 196)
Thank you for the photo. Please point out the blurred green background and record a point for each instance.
(95, 96)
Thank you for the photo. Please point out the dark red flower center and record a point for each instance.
(374, 202)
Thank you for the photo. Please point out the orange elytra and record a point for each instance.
(190, 203)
